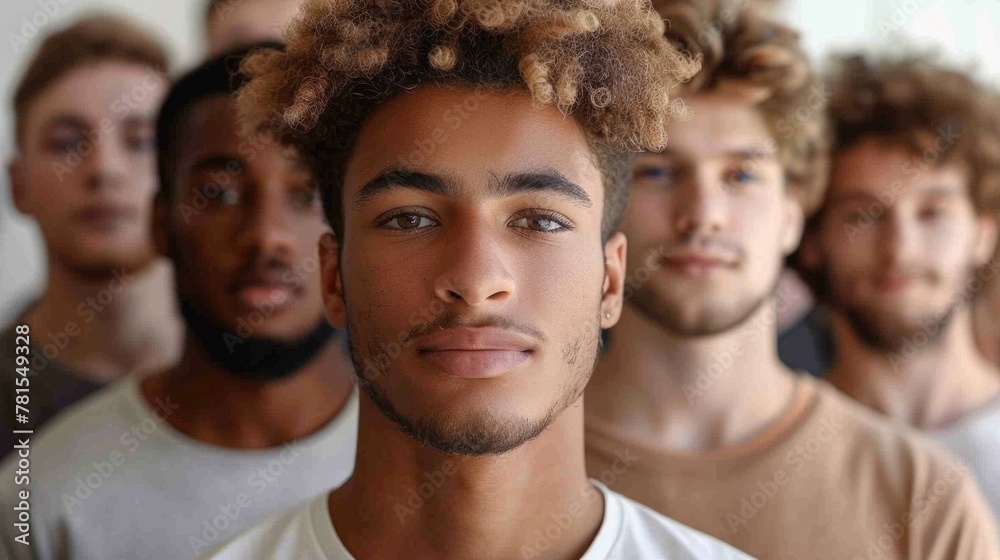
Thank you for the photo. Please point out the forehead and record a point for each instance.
(210, 123)
(236, 22)
(720, 124)
(211, 126)
(109, 89)
(874, 168)
(470, 133)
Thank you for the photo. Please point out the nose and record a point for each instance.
(898, 239)
(472, 269)
(700, 207)
(266, 227)
(107, 165)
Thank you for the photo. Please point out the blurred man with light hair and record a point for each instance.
(85, 171)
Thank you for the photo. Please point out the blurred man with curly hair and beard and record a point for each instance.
(723, 437)
(902, 248)
(474, 161)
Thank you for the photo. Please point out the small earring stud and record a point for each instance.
(607, 315)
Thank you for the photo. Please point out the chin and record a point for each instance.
(106, 265)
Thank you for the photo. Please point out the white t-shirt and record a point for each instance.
(976, 440)
(109, 478)
(629, 531)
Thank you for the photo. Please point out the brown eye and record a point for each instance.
(541, 223)
(408, 222)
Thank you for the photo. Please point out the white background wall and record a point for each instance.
(963, 29)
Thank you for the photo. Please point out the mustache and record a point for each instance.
(451, 320)
(266, 271)
(705, 244)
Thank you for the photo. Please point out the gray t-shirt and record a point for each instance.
(110, 478)
(51, 386)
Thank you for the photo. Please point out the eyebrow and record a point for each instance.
(140, 121)
(939, 191)
(71, 121)
(213, 161)
(749, 153)
(544, 180)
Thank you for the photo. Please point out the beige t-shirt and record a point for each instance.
(828, 479)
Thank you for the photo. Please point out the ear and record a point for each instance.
(612, 295)
(793, 222)
(18, 185)
(331, 283)
(986, 237)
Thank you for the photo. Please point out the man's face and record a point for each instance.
(709, 220)
(238, 23)
(472, 274)
(87, 170)
(897, 240)
(243, 228)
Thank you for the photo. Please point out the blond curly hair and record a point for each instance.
(604, 62)
(745, 53)
(910, 101)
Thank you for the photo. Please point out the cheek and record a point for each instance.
(565, 290)
(373, 277)
(757, 224)
(848, 256)
(308, 269)
(142, 175)
(951, 249)
(646, 213)
(646, 226)
(45, 182)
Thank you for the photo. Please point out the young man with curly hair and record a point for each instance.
(720, 434)
(902, 248)
(84, 170)
(474, 166)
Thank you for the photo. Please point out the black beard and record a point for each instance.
(254, 358)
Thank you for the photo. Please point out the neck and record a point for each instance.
(253, 414)
(104, 329)
(925, 385)
(406, 500)
(679, 393)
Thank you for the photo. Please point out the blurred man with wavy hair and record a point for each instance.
(902, 248)
(691, 409)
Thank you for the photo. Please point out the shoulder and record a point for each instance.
(86, 432)
(937, 496)
(871, 437)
